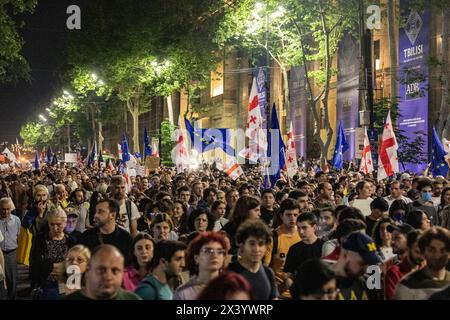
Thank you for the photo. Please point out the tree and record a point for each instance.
(167, 142)
(301, 32)
(12, 63)
(38, 135)
(391, 14)
(133, 36)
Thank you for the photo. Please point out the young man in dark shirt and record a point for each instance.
(268, 209)
(107, 231)
(310, 247)
(378, 208)
(252, 237)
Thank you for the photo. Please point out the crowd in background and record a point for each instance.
(92, 233)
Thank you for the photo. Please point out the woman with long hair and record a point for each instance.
(143, 246)
(383, 238)
(246, 208)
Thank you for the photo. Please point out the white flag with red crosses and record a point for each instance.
(366, 161)
(387, 158)
(291, 153)
(254, 131)
(181, 152)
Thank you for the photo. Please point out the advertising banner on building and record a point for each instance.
(347, 91)
(413, 79)
(298, 103)
(262, 95)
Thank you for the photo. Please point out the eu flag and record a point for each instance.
(207, 139)
(92, 154)
(277, 157)
(147, 148)
(125, 151)
(439, 166)
(339, 149)
(49, 156)
(36, 161)
(54, 160)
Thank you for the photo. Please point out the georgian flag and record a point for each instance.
(291, 153)
(366, 161)
(254, 131)
(388, 159)
(181, 152)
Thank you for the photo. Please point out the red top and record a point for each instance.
(393, 276)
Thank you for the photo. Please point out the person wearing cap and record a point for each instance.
(434, 244)
(406, 181)
(72, 222)
(405, 245)
(357, 253)
(396, 193)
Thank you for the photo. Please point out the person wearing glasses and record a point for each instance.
(76, 262)
(206, 257)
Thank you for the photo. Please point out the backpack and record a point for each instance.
(275, 242)
(128, 208)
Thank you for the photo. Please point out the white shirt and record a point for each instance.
(1, 237)
(122, 220)
(82, 217)
(363, 205)
(390, 200)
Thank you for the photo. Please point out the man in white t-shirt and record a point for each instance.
(127, 207)
(396, 194)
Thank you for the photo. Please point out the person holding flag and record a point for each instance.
(339, 149)
(388, 159)
(366, 160)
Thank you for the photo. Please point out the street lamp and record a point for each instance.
(42, 118)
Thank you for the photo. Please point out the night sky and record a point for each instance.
(45, 35)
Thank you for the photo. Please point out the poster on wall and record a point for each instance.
(298, 103)
(413, 80)
(347, 91)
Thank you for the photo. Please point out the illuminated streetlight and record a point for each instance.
(48, 110)
(43, 118)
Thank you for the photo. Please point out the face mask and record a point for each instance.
(426, 196)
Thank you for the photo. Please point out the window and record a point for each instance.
(376, 53)
(217, 81)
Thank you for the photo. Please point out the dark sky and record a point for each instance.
(45, 37)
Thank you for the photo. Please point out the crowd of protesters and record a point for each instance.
(90, 233)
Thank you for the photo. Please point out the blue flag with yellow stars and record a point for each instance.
(339, 149)
(204, 140)
(439, 166)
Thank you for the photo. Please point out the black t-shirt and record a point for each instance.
(352, 289)
(119, 238)
(267, 215)
(370, 226)
(300, 252)
(262, 282)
